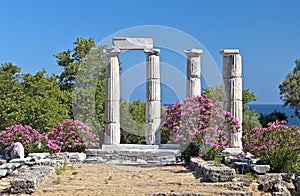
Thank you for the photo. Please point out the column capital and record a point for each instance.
(226, 52)
(113, 52)
(193, 52)
(152, 52)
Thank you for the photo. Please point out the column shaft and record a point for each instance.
(193, 86)
(152, 97)
(232, 91)
(112, 99)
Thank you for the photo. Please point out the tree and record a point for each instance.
(83, 76)
(34, 100)
(43, 103)
(266, 119)
(70, 61)
(250, 117)
(133, 122)
(11, 93)
(290, 89)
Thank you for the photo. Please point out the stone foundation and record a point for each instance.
(133, 154)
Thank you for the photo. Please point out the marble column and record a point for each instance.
(232, 91)
(112, 98)
(152, 97)
(193, 86)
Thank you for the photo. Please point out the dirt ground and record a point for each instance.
(103, 179)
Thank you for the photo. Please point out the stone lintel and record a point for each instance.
(152, 51)
(113, 52)
(193, 52)
(226, 52)
(125, 43)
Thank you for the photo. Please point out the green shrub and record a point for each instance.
(277, 145)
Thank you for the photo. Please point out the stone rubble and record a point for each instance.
(41, 166)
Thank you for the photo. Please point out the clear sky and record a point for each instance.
(267, 32)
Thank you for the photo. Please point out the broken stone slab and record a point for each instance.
(57, 156)
(124, 43)
(29, 181)
(129, 146)
(19, 160)
(17, 151)
(38, 156)
(3, 173)
(231, 152)
(242, 167)
(23, 184)
(8, 166)
(218, 174)
(288, 177)
(260, 169)
(76, 157)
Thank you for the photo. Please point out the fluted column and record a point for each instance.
(152, 97)
(193, 86)
(232, 91)
(112, 98)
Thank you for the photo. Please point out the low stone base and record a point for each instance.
(132, 154)
(210, 173)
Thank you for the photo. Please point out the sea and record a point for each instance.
(269, 108)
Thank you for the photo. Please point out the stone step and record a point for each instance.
(134, 155)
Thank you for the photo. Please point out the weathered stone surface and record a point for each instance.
(112, 115)
(232, 152)
(76, 157)
(129, 155)
(232, 66)
(260, 169)
(112, 133)
(125, 43)
(152, 134)
(29, 181)
(152, 97)
(193, 87)
(210, 173)
(127, 146)
(218, 174)
(3, 173)
(232, 91)
(8, 166)
(19, 160)
(114, 94)
(17, 151)
(242, 167)
(153, 90)
(38, 156)
(153, 106)
(289, 177)
(112, 99)
(193, 72)
(272, 183)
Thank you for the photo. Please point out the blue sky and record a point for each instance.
(267, 33)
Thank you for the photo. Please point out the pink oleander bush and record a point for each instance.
(277, 145)
(71, 136)
(26, 135)
(199, 123)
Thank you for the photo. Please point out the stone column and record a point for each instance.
(193, 86)
(152, 97)
(112, 98)
(232, 91)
